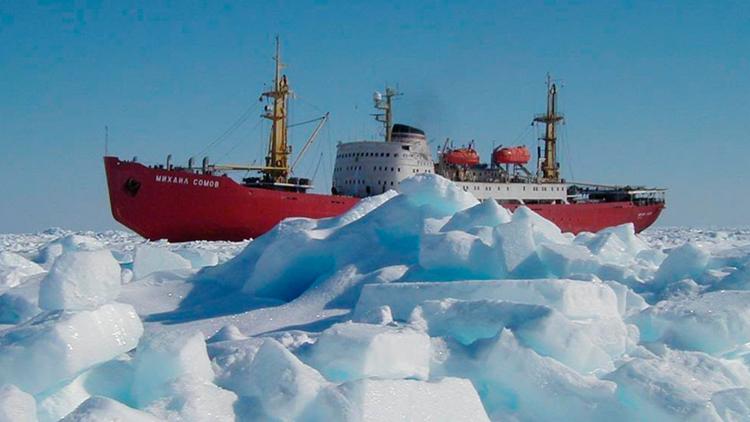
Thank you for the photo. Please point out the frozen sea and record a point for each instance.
(421, 306)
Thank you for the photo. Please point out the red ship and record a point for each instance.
(203, 203)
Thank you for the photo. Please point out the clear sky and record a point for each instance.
(654, 93)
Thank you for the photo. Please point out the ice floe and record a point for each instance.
(424, 305)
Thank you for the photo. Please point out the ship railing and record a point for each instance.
(648, 196)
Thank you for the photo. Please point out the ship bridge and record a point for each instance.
(365, 168)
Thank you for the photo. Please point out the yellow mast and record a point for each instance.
(550, 166)
(386, 105)
(277, 165)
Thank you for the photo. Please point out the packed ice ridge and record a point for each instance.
(424, 305)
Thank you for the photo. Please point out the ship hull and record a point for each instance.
(182, 206)
(592, 217)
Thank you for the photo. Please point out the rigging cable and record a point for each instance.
(221, 138)
(317, 119)
(238, 143)
(568, 155)
(315, 173)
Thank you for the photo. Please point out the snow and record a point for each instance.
(16, 405)
(488, 213)
(714, 322)
(573, 298)
(686, 261)
(515, 382)
(425, 305)
(447, 399)
(20, 303)
(38, 354)
(191, 398)
(585, 346)
(350, 351)
(280, 381)
(164, 357)
(99, 409)
(149, 259)
(14, 268)
(199, 258)
(676, 385)
(80, 280)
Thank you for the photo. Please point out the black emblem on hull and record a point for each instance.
(132, 186)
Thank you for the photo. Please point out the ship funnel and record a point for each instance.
(190, 163)
(169, 160)
(204, 165)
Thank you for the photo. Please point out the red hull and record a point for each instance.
(592, 217)
(183, 206)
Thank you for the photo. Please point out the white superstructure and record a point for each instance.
(367, 168)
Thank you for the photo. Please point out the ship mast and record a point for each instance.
(384, 102)
(550, 166)
(277, 164)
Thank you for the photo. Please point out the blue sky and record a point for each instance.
(654, 93)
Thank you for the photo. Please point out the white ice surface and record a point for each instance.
(80, 280)
(148, 259)
(56, 346)
(16, 405)
(162, 358)
(458, 309)
(351, 351)
(102, 409)
(14, 269)
(446, 399)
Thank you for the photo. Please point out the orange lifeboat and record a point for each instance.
(461, 156)
(511, 155)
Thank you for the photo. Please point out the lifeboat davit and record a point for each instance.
(462, 157)
(511, 155)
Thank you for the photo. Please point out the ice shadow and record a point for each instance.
(210, 300)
